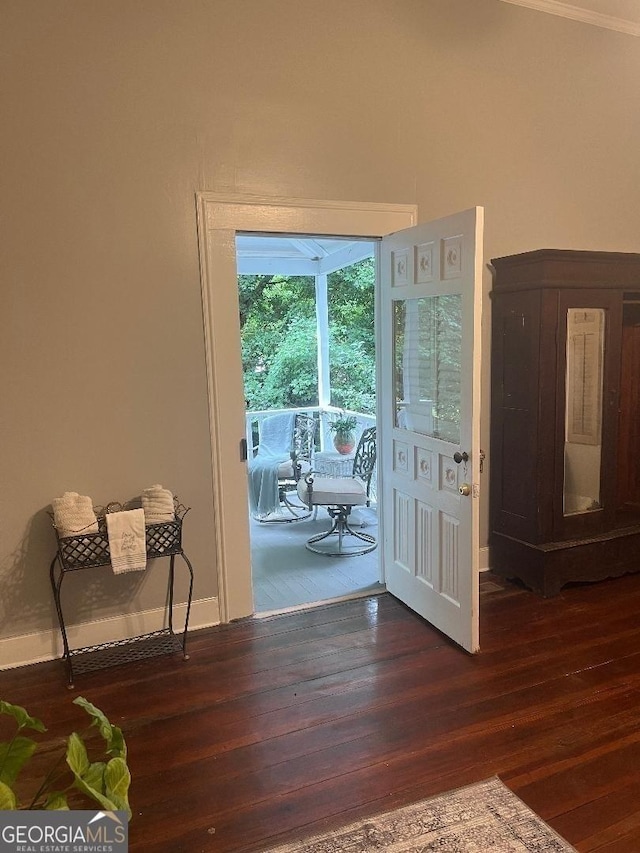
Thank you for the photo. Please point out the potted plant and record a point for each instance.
(343, 429)
(104, 781)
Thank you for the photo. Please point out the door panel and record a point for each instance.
(429, 419)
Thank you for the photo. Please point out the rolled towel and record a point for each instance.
(73, 515)
(157, 504)
(127, 541)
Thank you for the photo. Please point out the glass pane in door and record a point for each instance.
(427, 353)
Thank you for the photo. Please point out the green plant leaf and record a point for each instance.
(13, 756)
(7, 798)
(56, 801)
(117, 746)
(117, 780)
(98, 796)
(89, 778)
(99, 718)
(21, 716)
(94, 776)
(77, 758)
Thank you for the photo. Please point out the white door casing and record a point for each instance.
(220, 217)
(429, 411)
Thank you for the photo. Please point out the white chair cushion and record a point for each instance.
(285, 470)
(333, 491)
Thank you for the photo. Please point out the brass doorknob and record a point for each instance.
(465, 489)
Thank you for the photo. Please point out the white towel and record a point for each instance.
(127, 542)
(157, 504)
(73, 515)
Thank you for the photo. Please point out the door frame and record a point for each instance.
(220, 216)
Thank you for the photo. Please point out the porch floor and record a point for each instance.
(286, 575)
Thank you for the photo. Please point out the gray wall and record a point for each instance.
(115, 112)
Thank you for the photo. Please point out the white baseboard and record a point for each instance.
(485, 559)
(47, 645)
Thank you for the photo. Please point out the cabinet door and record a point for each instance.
(515, 385)
(628, 467)
(588, 357)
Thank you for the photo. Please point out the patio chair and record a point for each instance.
(340, 495)
(285, 449)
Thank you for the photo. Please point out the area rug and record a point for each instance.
(482, 818)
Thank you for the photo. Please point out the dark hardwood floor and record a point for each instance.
(281, 727)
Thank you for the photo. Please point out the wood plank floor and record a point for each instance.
(280, 727)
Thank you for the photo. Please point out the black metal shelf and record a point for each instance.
(90, 550)
(130, 650)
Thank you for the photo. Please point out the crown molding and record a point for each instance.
(575, 13)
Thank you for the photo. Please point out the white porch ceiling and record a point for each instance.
(259, 254)
(620, 15)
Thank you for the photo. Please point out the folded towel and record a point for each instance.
(73, 515)
(127, 542)
(157, 504)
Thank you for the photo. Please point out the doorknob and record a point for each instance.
(465, 490)
(460, 457)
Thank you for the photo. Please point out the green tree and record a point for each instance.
(276, 312)
(279, 344)
(352, 345)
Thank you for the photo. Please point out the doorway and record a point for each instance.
(220, 217)
(307, 318)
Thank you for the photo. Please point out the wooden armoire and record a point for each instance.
(565, 417)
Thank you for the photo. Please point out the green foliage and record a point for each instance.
(353, 377)
(13, 757)
(277, 314)
(24, 720)
(343, 425)
(7, 798)
(106, 782)
(279, 341)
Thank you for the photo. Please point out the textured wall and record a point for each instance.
(116, 112)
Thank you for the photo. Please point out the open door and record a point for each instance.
(429, 419)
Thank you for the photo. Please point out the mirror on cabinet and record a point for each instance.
(583, 410)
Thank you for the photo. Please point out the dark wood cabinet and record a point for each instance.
(565, 417)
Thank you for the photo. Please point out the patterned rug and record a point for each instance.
(482, 818)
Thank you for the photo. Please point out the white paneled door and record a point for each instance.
(429, 419)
